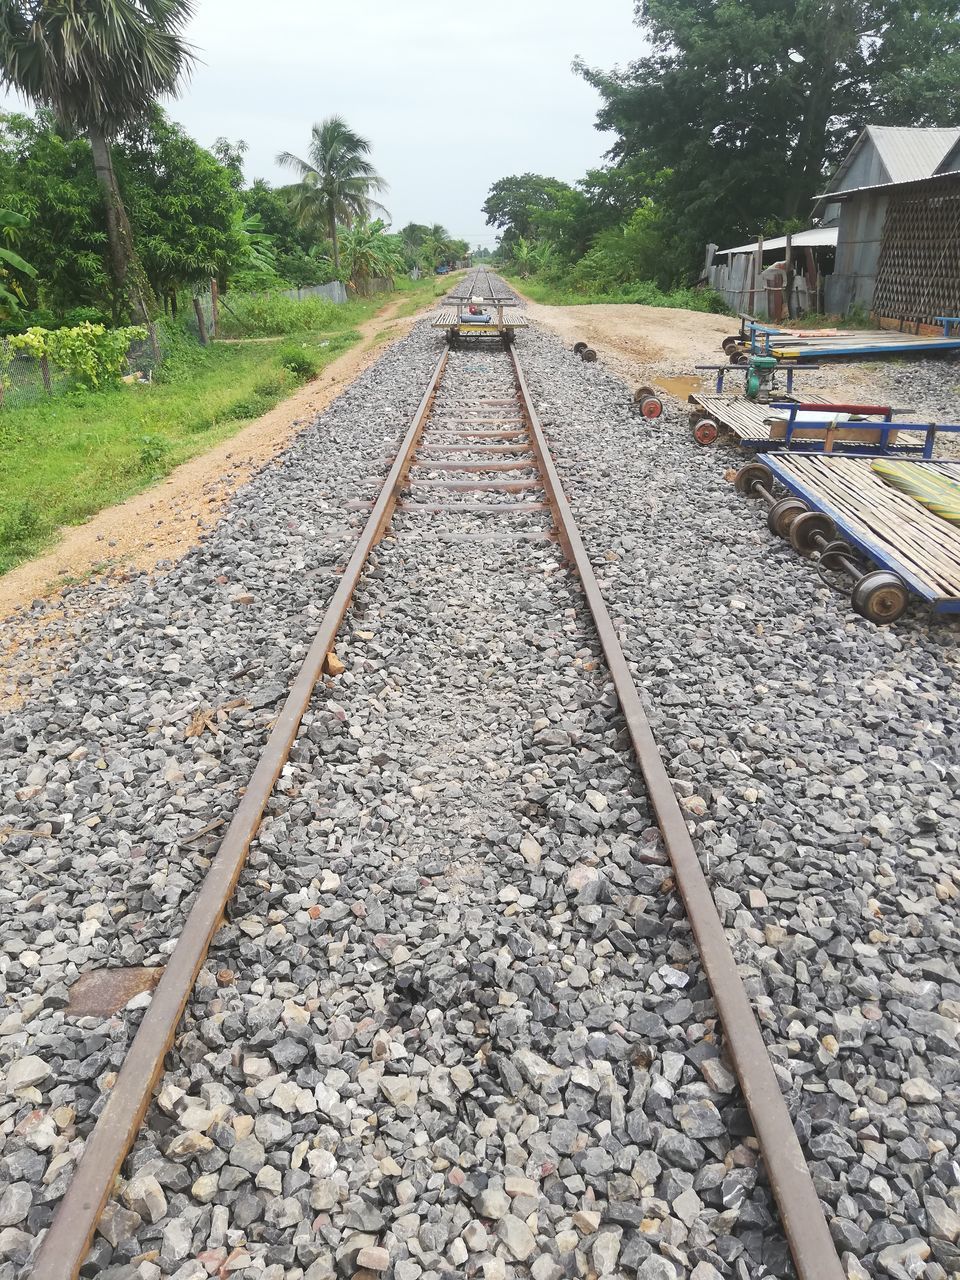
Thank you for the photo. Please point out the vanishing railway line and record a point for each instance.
(473, 477)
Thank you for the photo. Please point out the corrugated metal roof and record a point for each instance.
(909, 154)
(950, 161)
(835, 197)
(817, 236)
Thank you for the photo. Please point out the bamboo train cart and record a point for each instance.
(741, 414)
(840, 344)
(848, 510)
(494, 319)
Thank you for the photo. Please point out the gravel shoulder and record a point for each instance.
(456, 1015)
(661, 345)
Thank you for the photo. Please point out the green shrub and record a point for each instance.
(273, 386)
(93, 354)
(301, 362)
(152, 453)
(246, 315)
(19, 525)
(245, 407)
(81, 315)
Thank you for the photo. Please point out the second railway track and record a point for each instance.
(471, 1001)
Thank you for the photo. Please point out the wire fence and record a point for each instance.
(25, 380)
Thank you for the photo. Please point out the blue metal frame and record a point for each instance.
(723, 369)
(946, 321)
(886, 427)
(944, 343)
(880, 555)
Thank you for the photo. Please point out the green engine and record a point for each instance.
(760, 371)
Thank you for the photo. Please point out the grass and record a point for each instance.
(267, 315)
(65, 458)
(644, 292)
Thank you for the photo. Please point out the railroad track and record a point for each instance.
(473, 471)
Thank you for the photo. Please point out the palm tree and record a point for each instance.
(100, 64)
(338, 182)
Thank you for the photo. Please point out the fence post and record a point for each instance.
(215, 306)
(154, 344)
(201, 324)
(45, 374)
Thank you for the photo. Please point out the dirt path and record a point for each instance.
(661, 345)
(165, 521)
(630, 336)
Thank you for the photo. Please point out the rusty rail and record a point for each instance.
(65, 1245)
(67, 1241)
(801, 1213)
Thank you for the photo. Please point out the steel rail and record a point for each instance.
(801, 1212)
(64, 1247)
(67, 1241)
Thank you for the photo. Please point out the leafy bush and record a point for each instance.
(245, 407)
(277, 384)
(183, 356)
(269, 314)
(152, 453)
(19, 525)
(93, 354)
(301, 362)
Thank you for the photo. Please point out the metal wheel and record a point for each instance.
(751, 474)
(579, 348)
(880, 596)
(705, 431)
(833, 555)
(588, 356)
(782, 515)
(651, 406)
(738, 357)
(808, 529)
(730, 343)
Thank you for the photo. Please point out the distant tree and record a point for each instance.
(337, 182)
(99, 65)
(230, 154)
(517, 204)
(744, 107)
(301, 259)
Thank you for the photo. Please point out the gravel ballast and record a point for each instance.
(456, 1022)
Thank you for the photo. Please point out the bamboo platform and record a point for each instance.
(753, 424)
(891, 528)
(865, 344)
(448, 318)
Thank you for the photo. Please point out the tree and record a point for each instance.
(369, 253)
(746, 105)
(293, 245)
(99, 65)
(518, 203)
(183, 206)
(337, 182)
(50, 180)
(230, 155)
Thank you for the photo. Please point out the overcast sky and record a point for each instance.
(452, 95)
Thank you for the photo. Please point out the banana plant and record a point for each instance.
(11, 292)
